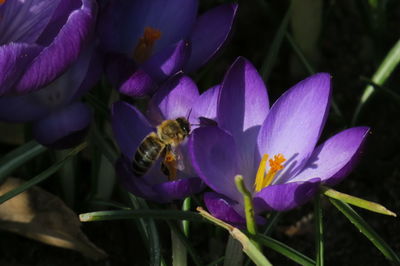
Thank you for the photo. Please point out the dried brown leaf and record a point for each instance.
(40, 215)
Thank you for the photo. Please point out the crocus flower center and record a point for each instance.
(265, 179)
(144, 48)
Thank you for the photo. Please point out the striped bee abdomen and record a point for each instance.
(146, 154)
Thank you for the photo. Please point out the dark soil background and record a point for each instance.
(353, 40)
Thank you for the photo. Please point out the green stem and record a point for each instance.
(248, 206)
(185, 223)
(319, 231)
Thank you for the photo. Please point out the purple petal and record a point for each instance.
(161, 192)
(180, 189)
(242, 108)
(92, 73)
(295, 122)
(206, 104)
(167, 61)
(138, 84)
(24, 21)
(64, 90)
(124, 21)
(222, 208)
(15, 58)
(332, 160)
(59, 18)
(286, 196)
(63, 51)
(64, 128)
(214, 157)
(129, 127)
(243, 102)
(174, 99)
(135, 185)
(209, 34)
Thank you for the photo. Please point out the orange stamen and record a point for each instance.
(263, 180)
(144, 48)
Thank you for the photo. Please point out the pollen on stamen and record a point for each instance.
(144, 48)
(263, 180)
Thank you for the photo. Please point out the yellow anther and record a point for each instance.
(144, 48)
(260, 173)
(263, 180)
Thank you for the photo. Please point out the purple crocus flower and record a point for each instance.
(157, 38)
(178, 97)
(59, 119)
(40, 39)
(273, 149)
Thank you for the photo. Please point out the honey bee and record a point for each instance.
(170, 133)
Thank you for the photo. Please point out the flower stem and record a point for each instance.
(248, 207)
(319, 232)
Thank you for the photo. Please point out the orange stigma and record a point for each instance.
(275, 165)
(2, 1)
(144, 48)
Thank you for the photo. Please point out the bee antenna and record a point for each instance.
(190, 112)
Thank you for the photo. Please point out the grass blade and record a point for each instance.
(136, 214)
(383, 72)
(18, 157)
(365, 229)
(150, 229)
(285, 250)
(362, 203)
(233, 253)
(185, 241)
(248, 247)
(319, 232)
(42, 176)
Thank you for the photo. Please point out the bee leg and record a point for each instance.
(169, 164)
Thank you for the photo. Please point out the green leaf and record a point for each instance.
(285, 250)
(383, 72)
(18, 157)
(365, 229)
(248, 247)
(136, 214)
(150, 229)
(233, 253)
(42, 176)
(319, 231)
(186, 243)
(362, 203)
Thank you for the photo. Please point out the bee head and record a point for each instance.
(184, 125)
